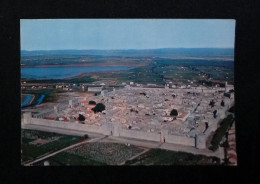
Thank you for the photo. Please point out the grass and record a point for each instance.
(26, 140)
(30, 151)
(166, 157)
(67, 159)
(109, 153)
(220, 132)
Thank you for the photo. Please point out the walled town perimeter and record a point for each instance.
(141, 113)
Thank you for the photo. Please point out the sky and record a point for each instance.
(107, 34)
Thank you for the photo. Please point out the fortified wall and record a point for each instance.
(200, 140)
(116, 130)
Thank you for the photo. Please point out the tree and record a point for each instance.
(81, 117)
(215, 113)
(232, 109)
(143, 94)
(220, 132)
(86, 136)
(91, 102)
(212, 103)
(222, 103)
(206, 125)
(99, 107)
(174, 112)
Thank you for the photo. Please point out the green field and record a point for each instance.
(98, 153)
(166, 157)
(56, 142)
(177, 71)
(67, 159)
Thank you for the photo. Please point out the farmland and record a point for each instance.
(166, 157)
(37, 143)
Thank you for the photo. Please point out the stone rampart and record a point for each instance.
(116, 130)
(69, 125)
(182, 140)
(44, 114)
(140, 135)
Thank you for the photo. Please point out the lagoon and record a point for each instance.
(64, 72)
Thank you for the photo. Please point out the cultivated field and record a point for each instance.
(37, 143)
(166, 157)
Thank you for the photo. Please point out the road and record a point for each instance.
(65, 149)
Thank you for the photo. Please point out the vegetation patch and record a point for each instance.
(108, 153)
(221, 131)
(91, 102)
(67, 159)
(174, 112)
(54, 143)
(99, 107)
(166, 157)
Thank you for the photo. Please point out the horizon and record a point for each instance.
(133, 49)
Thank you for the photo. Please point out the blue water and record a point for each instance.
(26, 101)
(65, 72)
(39, 101)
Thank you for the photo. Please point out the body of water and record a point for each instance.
(64, 72)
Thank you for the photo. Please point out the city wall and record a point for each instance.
(176, 139)
(68, 125)
(110, 129)
(214, 123)
(140, 135)
(55, 109)
(114, 129)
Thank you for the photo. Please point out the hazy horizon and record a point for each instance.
(134, 49)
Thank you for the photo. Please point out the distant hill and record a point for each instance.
(193, 52)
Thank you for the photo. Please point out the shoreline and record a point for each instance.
(80, 75)
(85, 65)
